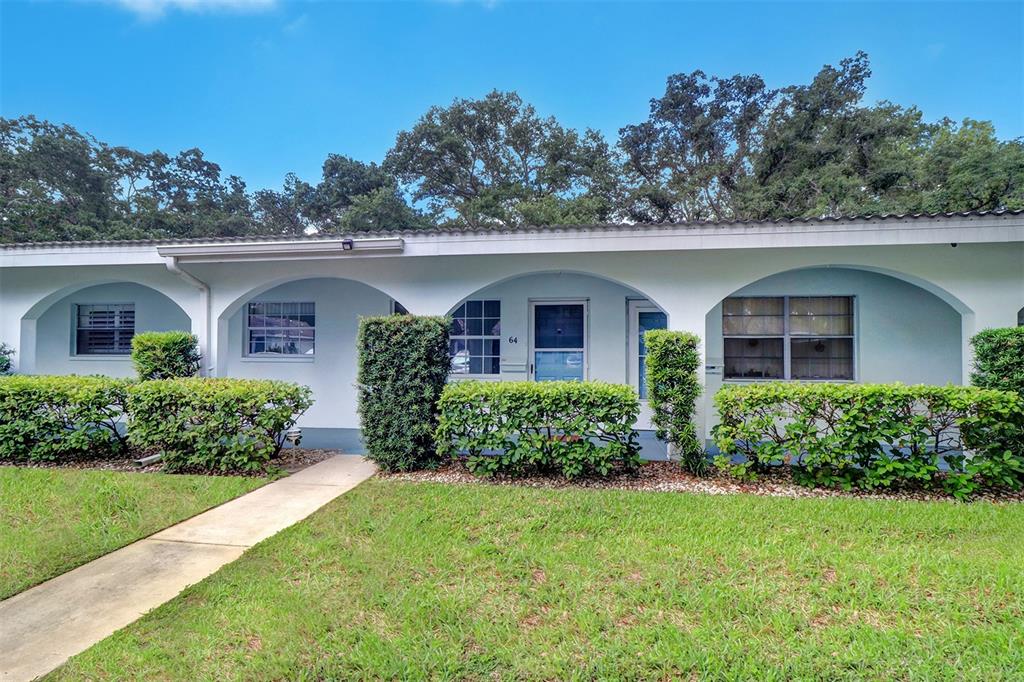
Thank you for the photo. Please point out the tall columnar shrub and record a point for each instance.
(6, 353)
(47, 418)
(403, 367)
(673, 386)
(873, 436)
(214, 424)
(165, 355)
(519, 427)
(999, 359)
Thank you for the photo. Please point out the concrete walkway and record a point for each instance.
(42, 627)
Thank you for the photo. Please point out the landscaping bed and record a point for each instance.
(669, 477)
(397, 580)
(55, 519)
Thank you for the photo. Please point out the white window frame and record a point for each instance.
(787, 338)
(531, 349)
(637, 306)
(479, 337)
(291, 357)
(75, 328)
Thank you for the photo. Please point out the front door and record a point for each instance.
(558, 341)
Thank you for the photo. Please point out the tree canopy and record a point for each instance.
(494, 161)
(711, 148)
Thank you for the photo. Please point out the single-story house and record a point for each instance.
(867, 299)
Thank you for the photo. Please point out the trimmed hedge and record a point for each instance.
(872, 436)
(672, 361)
(403, 366)
(214, 424)
(165, 355)
(999, 359)
(45, 418)
(518, 427)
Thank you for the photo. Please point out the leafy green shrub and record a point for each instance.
(6, 353)
(214, 424)
(516, 427)
(876, 435)
(745, 471)
(673, 387)
(165, 355)
(999, 359)
(46, 418)
(403, 366)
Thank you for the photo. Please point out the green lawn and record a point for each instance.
(52, 520)
(403, 580)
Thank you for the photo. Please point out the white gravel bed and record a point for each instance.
(668, 477)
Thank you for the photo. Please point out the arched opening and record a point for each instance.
(547, 326)
(88, 329)
(834, 324)
(553, 325)
(304, 331)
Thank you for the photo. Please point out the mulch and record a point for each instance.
(669, 477)
(290, 460)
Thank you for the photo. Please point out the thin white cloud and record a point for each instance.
(486, 4)
(153, 9)
(296, 25)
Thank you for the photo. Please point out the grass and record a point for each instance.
(52, 520)
(402, 580)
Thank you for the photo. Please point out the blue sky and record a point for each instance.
(265, 87)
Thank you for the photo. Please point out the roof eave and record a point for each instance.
(324, 248)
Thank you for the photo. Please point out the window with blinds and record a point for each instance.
(789, 337)
(104, 328)
(286, 328)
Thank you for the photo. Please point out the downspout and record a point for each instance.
(171, 262)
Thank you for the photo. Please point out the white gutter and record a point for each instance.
(206, 366)
(278, 250)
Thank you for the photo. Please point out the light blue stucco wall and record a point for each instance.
(331, 372)
(55, 336)
(903, 333)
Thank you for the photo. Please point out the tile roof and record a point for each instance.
(502, 229)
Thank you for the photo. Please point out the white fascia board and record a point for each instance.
(280, 250)
(624, 239)
(56, 255)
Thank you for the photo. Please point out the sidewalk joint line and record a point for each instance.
(197, 542)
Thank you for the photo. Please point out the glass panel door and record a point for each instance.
(646, 322)
(643, 316)
(559, 341)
